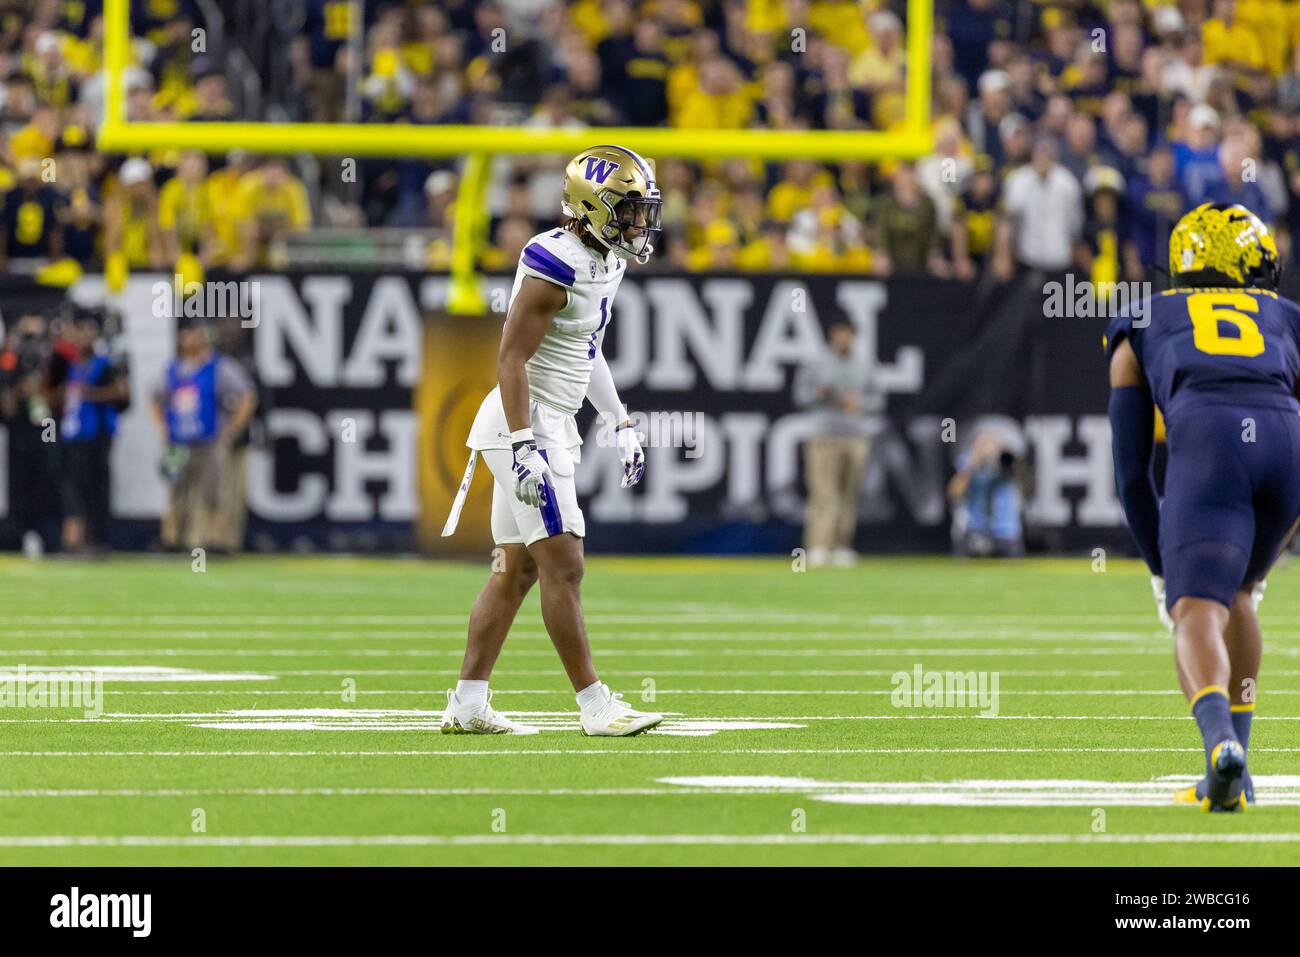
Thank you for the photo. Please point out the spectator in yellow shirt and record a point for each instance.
(769, 252)
(684, 74)
(720, 102)
(131, 218)
(503, 255)
(185, 213)
(825, 236)
(36, 139)
(1268, 19)
(271, 202)
(881, 65)
(51, 75)
(1226, 40)
(719, 249)
(795, 190)
(223, 200)
(840, 21)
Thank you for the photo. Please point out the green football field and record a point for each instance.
(285, 711)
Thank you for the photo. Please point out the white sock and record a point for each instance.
(592, 698)
(471, 692)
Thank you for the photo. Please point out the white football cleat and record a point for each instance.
(460, 718)
(615, 719)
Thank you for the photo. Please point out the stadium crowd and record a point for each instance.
(1068, 133)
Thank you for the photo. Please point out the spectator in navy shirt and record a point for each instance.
(1155, 203)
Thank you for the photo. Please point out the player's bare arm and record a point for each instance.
(1125, 370)
(531, 314)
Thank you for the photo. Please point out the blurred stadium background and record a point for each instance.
(371, 170)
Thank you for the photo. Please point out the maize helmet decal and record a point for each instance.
(1221, 245)
(610, 190)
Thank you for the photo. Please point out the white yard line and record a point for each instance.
(539, 634)
(704, 614)
(768, 616)
(1280, 790)
(633, 751)
(610, 650)
(426, 721)
(623, 840)
(705, 673)
(564, 692)
(379, 792)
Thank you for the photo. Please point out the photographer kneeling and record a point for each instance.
(985, 498)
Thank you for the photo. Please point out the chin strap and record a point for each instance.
(642, 257)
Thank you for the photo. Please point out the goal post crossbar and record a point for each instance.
(403, 140)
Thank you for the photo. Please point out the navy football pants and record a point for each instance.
(1232, 497)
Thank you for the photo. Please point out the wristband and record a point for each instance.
(522, 437)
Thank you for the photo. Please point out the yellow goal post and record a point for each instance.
(478, 144)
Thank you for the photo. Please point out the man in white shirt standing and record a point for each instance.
(1042, 215)
(550, 360)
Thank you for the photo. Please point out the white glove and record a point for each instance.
(1257, 594)
(532, 474)
(1158, 590)
(629, 450)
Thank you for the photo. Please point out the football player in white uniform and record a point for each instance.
(550, 360)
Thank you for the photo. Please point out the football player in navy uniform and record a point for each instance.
(1217, 355)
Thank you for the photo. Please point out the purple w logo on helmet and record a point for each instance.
(599, 169)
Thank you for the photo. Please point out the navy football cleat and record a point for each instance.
(1225, 784)
(1196, 793)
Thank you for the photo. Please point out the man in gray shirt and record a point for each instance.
(836, 390)
(202, 404)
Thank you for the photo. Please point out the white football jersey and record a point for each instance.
(560, 370)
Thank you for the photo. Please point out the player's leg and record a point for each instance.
(1207, 528)
(554, 533)
(513, 574)
(560, 568)
(1245, 643)
(469, 708)
(1200, 650)
(1204, 672)
(1274, 459)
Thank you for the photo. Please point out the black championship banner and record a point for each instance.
(368, 390)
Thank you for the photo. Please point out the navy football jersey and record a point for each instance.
(1215, 345)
